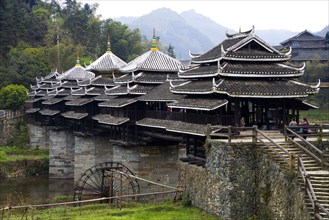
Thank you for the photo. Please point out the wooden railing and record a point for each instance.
(317, 207)
(10, 114)
(318, 131)
(321, 157)
(271, 144)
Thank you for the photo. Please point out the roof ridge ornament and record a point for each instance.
(173, 86)
(193, 56)
(317, 86)
(241, 34)
(78, 60)
(108, 47)
(222, 50)
(289, 52)
(214, 85)
(154, 42)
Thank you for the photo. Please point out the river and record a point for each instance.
(33, 190)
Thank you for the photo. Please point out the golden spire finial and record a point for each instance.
(154, 41)
(78, 60)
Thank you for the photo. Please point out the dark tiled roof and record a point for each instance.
(195, 86)
(101, 81)
(80, 91)
(84, 82)
(152, 77)
(52, 101)
(32, 100)
(32, 110)
(154, 123)
(104, 97)
(50, 85)
(51, 77)
(253, 54)
(153, 60)
(160, 93)
(70, 84)
(174, 126)
(76, 72)
(308, 55)
(119, 90)
(74, 115)
(64, 92)
(264, 88)
(41, 93)
(79, 102)
(49, 112)
(124, 79)
(237, 47)
(200, 71)
(117, 102)
(206, 104)
(106, 63)
(303, 36)
(140, 89)
(96, 91)
(257, 69)
(109, 119)
(71, 97)
(215, 52)
(248, 88)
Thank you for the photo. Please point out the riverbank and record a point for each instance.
(20, 162)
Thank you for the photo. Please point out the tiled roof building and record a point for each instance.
(242, 79)
(307, 47)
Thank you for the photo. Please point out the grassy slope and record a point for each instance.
(164, 211)
(15, 161)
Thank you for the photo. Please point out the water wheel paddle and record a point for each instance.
(106, 179)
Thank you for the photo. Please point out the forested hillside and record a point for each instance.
(37, 37)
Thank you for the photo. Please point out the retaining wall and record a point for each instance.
(240, 182)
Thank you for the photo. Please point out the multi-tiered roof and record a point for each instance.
(244, 65)
(242, 77)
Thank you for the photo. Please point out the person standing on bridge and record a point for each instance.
(293, 124)
(305, 125)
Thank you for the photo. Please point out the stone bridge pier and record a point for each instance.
(71, 155)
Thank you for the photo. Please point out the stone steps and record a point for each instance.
(318, 177)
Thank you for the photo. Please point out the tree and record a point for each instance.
(170, 51)
(12, 96)
(125, 43)
(26, 63)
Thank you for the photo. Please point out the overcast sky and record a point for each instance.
(290, 15)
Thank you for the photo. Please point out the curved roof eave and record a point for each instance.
(260, 76)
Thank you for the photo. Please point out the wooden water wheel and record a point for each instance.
(108, 179)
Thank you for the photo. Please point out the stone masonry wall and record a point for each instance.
(89, 151)
(155, 163)
(39, 136)
(239, 182)
(61, 154)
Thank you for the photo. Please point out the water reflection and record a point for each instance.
(33, 190)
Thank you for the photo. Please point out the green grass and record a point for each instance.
(316, 116)
(8, 154)
(18, 162)
(164, 211)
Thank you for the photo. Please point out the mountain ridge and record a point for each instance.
(193, 32)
